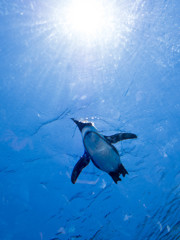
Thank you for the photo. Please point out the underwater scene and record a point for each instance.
(90, 120)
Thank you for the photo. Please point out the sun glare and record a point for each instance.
(93, 22)
(86, 17)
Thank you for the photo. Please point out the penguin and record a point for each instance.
(100, 150)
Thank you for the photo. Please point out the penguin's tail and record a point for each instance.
(115, 175)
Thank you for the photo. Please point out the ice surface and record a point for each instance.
(130, 83)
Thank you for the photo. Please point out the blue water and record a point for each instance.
(130, 82)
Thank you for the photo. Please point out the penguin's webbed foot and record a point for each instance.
(115, 176)
(122, 170)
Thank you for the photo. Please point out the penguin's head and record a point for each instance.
(82, 124)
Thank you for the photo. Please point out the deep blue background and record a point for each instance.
(130, 84)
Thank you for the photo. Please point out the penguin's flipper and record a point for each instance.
(82, 163)
(119, 137)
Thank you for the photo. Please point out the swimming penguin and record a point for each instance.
(99, 149)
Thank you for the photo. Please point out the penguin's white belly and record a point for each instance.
(105, 157)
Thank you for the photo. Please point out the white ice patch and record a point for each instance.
(103, 185)
(160, 226)
(83, 97)
(168, 228)
(127, 217)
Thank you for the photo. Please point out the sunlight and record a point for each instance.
(91, 23)
(87, 18)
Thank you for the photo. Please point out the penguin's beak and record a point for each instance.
(80, 125)
(74, 120)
